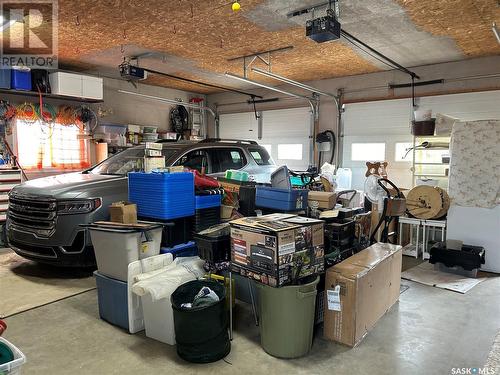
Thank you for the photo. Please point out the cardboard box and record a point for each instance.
(325, 199)
(154, 162)
(123, 212)
(359, 291)
(277, 249)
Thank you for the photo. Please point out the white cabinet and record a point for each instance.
(72, 84)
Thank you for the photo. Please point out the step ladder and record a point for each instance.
(8, 179)
(197, 118)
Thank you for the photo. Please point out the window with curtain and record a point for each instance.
(41, 145)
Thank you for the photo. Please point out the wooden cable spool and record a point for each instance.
(427, 202)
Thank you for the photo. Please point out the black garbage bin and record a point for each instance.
(201, 333)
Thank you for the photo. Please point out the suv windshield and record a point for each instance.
(130, 160)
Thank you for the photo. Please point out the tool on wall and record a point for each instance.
(393, 205)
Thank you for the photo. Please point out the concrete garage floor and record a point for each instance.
(430, 331)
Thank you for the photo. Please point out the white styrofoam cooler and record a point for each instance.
(115, 249)
(72, 84)
(478, 227)
(13, 367)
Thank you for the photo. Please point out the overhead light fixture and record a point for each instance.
(495, 31)
(246, 80)
(291, 82)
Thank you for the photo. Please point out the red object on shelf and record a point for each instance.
(3, 327)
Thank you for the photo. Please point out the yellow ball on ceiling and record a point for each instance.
(236, 6)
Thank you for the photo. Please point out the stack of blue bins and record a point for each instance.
(168, 197)
(207, 210)
(162, 195)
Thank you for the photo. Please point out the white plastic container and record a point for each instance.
(12, 367)
(136, 318)
(423, 114)
(115, 249)
(72, 84)
(159, 319)
(344, 179)
(158, 314)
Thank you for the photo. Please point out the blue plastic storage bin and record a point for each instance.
(207, 201)
(162, 196)
(21, 79)
(281, 199)
(5, 78)
(112, 297)
(183, 250)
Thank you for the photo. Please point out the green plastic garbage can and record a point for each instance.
(287, 318)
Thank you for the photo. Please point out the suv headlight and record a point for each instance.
(83, 206)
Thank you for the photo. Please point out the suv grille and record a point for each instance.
(33, 214)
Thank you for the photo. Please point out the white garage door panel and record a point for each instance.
(279, 127)
(366, 118)
(388, 122)
(238, 126)
(468, 107)
(287, 126)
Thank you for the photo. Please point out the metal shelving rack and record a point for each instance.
(427, 161)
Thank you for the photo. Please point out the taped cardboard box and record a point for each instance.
(123, 212)
(359, 291)
(277, 249)
(325, 199)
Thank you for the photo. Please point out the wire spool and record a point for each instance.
(427, 202)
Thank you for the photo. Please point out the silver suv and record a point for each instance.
(44, 216)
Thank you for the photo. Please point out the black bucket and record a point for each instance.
(201, 333)
(423, 128)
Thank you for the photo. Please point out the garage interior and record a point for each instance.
(257, 186)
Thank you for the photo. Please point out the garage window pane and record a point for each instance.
(368, 151)
(290, 151)
(403, 151)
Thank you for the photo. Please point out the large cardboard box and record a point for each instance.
(277, 249)
(123, 212)
(359, 291)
